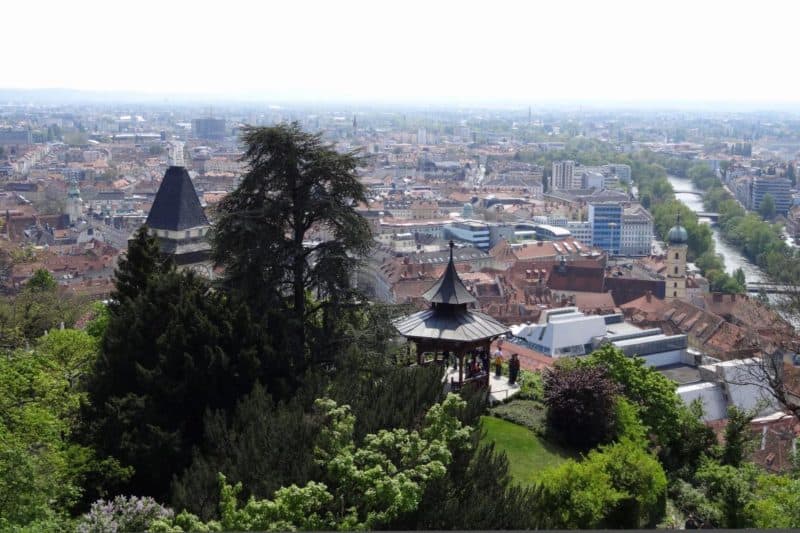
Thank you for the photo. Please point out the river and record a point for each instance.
(733, 258)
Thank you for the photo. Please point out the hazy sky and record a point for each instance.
(407, 50)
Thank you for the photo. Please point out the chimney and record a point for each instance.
(649, 296)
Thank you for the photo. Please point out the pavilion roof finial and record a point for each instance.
(449, 289)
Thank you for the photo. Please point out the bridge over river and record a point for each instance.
(771, 288)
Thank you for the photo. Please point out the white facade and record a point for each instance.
(636, 235)
(729, 383)
(473, 232)
(567, 331)
(581, 231)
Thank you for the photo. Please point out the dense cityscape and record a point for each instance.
(321, 293)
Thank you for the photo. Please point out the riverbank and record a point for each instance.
(692, 197)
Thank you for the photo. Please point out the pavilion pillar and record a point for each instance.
(461, 367)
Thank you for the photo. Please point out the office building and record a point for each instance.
(472, 232)
(581, 231)
(605, 219)
(778, 188)
(637, 232)
(212, 129)
(563, 175)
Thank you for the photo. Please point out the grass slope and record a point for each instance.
(527, 453)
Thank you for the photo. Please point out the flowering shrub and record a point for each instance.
(123, 514)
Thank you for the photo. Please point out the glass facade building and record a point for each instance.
(606, 222)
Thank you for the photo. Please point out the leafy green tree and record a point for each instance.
(575, 495)
(691, 441)
(476, 495)
(41, 469)
(738, 437)
(366, 486)
(776, 502)
(294, 185)
(262, 445)
(738, 275)
(767, 207)
(731, 490)
(652, 393)
(640, 480)
(41, 281)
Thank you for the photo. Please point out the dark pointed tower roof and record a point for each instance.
(176, 206)
(449, 289)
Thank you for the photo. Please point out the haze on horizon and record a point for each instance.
(414, 52)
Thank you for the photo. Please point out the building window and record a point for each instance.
(676, 255)
(676, 284)
(676, 270)
(675, 294)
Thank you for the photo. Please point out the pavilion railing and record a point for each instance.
(480, 381)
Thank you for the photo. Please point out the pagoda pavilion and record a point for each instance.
(449, 325)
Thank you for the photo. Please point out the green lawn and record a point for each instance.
(527, 453)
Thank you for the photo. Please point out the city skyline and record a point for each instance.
(446, 53)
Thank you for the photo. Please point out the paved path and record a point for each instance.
(499, 387)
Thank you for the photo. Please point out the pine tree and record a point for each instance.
(142, 261)
(172, 349)
(295, 185)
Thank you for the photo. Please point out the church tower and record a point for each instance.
(677, 239)
(74, 205)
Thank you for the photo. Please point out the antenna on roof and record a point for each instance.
(452, 245)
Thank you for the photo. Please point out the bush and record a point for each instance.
(581, 403)
(526, 413)
(123, 514)
(531, 386)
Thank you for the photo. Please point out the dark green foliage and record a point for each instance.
(295, 184)
(476, 494)
(267, 446)
(691, 441)
(580, 404)
(173, 348)
(388, 397)
(739, 439)
(137, 267)
(262, 445)
(693, 504)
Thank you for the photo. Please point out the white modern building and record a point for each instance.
(720, 384)
(567, 331)
(581, 231)
(472, 232)
(636, 235)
